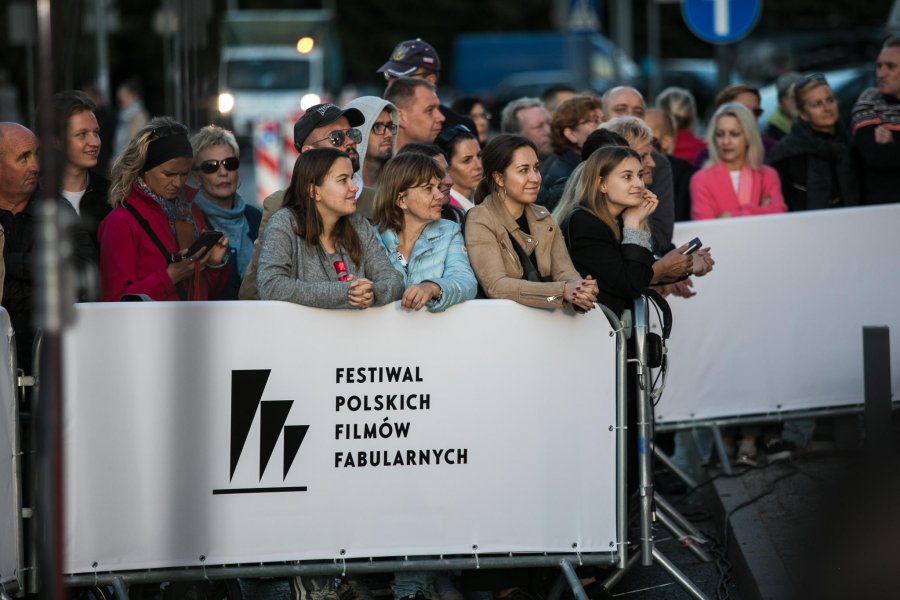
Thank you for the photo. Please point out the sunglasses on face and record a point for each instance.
(211, 166)
(380, 128)
(338, 136)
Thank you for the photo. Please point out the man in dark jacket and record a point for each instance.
(875, 123)
(78, 141)
(19, 170)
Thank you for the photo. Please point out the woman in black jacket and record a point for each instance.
(813, 160)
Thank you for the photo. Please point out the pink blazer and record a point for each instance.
(712, 194)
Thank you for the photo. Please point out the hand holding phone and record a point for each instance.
(204, 242)
(693, 246)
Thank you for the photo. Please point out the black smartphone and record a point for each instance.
(693, 246)
(205, 241)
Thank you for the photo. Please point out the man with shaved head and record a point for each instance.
(19, 169)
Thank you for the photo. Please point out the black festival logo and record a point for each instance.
(247, 388)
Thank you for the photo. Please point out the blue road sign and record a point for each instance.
(721, 21)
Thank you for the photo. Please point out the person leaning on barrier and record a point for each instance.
(216, 163)
(515, 247)
(607, 231)
(317, 250)
(144, 240)
(321, 126)
(426, 249)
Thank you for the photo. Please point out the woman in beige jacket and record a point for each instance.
(515, 247)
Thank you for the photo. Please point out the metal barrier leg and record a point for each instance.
(678, 576)
(676, 470)
(720, 450)
(662, 505)
(572, 578)
(120, 589)
(611, 581)
(687, 540)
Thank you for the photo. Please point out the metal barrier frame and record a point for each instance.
(616, 558)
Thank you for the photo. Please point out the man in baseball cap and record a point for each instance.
(413, 58)
(418, 59)
(321, 126)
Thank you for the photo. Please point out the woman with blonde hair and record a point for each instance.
(428, 251)
(735, 183)
(144, 241)
(608, 231)
(680, 104)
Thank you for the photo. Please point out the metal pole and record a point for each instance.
(572, 578)
(645, 435)
(48, 317)
(654, 50)
(678, 576)
(621, 437)
(877, 378)
(102, 50)
(676, 470)
(683, 536)
(623, 25)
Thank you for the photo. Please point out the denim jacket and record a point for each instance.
(439, 256)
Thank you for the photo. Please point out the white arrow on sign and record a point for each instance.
(721, 17)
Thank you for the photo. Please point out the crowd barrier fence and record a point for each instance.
(201, 438)
(775, 331)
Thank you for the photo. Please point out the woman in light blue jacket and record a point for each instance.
(426, 249)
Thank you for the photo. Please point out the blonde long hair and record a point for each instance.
(597, 168)
(130, 163)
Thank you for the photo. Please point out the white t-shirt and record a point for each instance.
(74, 199)
(735, 180)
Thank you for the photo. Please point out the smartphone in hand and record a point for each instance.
(693, 246)
(204, 241)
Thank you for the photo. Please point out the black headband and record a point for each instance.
(166, 148)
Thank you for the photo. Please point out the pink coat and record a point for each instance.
(712, 193)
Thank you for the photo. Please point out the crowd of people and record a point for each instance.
(401, 198)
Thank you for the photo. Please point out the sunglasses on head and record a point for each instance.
(448, 135)
(211, 166)
(338, 136)
(167, 130)
(811, 79)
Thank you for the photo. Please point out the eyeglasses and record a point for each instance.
(481, 115)
(448, 135)
(211, 166)
(338, 136)
(167, 130)
(380, 128)
(757, 111)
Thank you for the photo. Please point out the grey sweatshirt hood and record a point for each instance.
(371, 107)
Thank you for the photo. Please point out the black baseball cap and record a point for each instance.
(323, 114)
(409, 56)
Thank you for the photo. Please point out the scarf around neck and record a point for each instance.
(231, 222)
(177, 209)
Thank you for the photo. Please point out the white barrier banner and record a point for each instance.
(8, 436)
(777, 326)
(262, 431)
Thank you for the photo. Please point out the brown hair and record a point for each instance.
(496, 156)
(569, 114)
(597, 168)
(309, 171)
(401, 173)
(734, 90)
